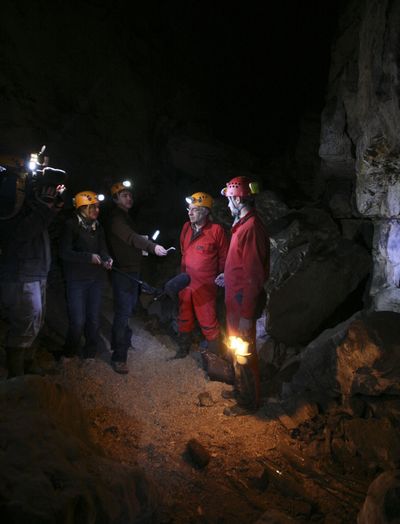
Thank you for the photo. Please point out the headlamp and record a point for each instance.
(100, 197)
(126, 183)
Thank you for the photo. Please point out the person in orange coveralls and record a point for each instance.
(204, 246)
(246, 270)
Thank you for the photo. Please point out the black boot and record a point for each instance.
(15, 362)
(214, 346)
(206, 353)
(31, 367)
(184, 343)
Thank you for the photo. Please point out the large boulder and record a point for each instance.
(313, 271)
(382, 503)
(360, 356)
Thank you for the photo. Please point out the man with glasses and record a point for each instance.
(204, 246)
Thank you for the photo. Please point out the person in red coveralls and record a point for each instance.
(246, 270)
(204, 246)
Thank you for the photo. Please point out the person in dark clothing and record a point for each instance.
(25, 260)
(126, 247)
(246, 270)
(84, 254)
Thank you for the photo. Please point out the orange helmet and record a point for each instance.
(120, 186)
(200, 200)
(85, 198)
(240, 186)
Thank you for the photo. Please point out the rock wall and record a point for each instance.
(360, 135)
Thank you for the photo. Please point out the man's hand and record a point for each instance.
(245, 325)
(220, 281)
(96, 259)
(160, 251)
(108, 263)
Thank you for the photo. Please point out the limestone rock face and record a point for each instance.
(360, 134)
(51, 471)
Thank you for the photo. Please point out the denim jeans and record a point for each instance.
(83, 304)
(126, 292)
(24, 305)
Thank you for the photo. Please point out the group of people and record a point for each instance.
(88, 251)
(241, 266)
(85, 255)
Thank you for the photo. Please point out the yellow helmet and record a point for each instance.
(85, 198)
(120, 186)
(200, 200)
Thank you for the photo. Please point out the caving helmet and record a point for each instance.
(200, 200)
(86, 198)
(120, 186)
(240, 186)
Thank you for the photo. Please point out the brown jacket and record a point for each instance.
(125, 244)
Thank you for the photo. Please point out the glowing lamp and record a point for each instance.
(33, 161)
(100, 198)
(240, 347)
(155, 234)
(126, 183)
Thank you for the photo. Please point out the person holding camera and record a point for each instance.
(31, 201)
(84, 254)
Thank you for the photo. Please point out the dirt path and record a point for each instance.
(148, 416)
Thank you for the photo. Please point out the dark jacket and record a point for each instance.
(25, 246)
(125, 244)
(78, 243)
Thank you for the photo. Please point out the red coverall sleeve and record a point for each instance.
(223, 245)
(182, 244)
(255, 268)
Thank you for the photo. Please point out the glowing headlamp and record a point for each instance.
(127, 183)
(33, 161)
(100, 197)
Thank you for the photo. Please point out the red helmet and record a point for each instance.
(240, 186)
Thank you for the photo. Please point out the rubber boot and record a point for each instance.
(247, 383)
(15, 362)
(184, 343)
(213, 347)
(31, 367)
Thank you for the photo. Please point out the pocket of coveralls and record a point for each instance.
(206, 249)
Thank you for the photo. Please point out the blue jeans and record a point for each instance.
(24, 305)
(126, 293)
(83, 304)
